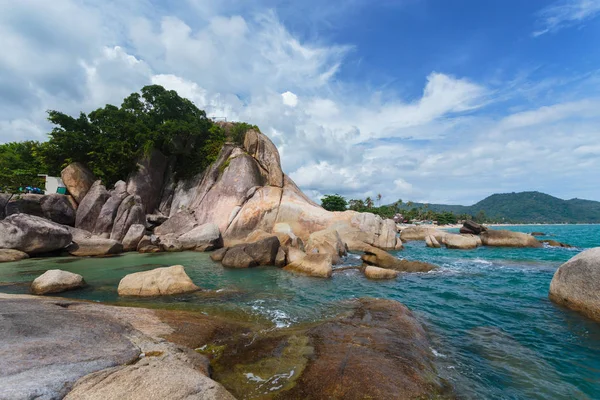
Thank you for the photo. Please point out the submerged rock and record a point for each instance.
(576, 284)
(56, 281)
(78, 180)
(8, 255)
(380, 273)
(31, 234)
(503, 238)
(555, 243)
(383, 259)
(317, 265)
(157, 282)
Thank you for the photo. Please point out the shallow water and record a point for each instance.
(494, 331)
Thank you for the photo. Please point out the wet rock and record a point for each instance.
(537, 234)
(90, 207)
(380, 273)
(8, 255)
(31, 234)
(431, 241)
(383, 259)
(56, 281)
(94, 246)
(78, 180)
(503, 238)
(262, 252)
(236, 257)
(576, 284)
(218, 255)
(58, 208)
(317, 265)
(463, 242)
(474, 227)
(555, 243)
(133, 237)
(157, 282)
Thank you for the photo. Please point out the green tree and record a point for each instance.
(20, 166)
(334, 202)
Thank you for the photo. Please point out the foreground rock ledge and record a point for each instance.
(95, 351)
(576, 284)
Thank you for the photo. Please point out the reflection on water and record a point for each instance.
(495, 333)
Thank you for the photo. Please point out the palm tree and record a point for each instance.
(369, 202)
(379, 199)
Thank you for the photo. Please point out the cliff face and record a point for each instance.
(246, 190)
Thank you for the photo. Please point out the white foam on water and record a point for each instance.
(436, 353)
(254, 378)
(280, 318)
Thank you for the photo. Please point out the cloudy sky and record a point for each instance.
(423, 100)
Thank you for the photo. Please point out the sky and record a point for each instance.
(426, 100)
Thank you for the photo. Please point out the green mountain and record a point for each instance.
(528, 207)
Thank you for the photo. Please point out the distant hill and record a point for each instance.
(528, 207)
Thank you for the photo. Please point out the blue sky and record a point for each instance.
(428, 100)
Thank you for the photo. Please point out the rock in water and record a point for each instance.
(262, 252)
(56, 281)
(474, 227)
(8, 255)
(431, 241)
(503, 238)
(380, 273)
(327, 241)
(32, 234)
(133, 237)
(318, 265)
(78, 180)
(58, 208)
(383, 259)
(378, 351)
(157, 282)
(420, 233)
(576, 284)
(94, 246)
(463, 242)
(179, 224)
(202, 238)
(90, 207)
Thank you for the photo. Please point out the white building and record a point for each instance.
(52, 184)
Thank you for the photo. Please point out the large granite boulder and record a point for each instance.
(90, 207)
(471, 227)
(380, 258)
(420, 232)
(576, 284)
(431, 241)
(25, 203)
(133, 237)
(32, 234)
(147, 181)
(464, 242)
(377, 273)
(56, 281)
(503, 238)
(157, 282)
(130, 212)
(78, 180)
(262, 252)
(317, 265)
(108, 212)
(4, 198)
(327, 241)
(202, 238)
(8, 255)
(149, 244)
(59, 208)
(264, 151)
(177, 225)
(94, 246)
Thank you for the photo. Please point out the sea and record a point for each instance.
(494, 333)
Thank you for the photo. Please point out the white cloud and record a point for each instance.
(289, 99)
(566, 13)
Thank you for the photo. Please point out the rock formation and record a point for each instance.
(56, 281)
(380, 273)
(317, 265)
(78, 180)
(503, 238)
(94, 246)
(32, 235)
(157, 282)
(576, 284)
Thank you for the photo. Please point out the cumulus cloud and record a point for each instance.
(333, 136)
(566, 13)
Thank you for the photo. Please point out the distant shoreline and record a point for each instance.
(458, 226)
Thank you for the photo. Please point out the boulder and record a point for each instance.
(58, 208)
(90, 207)
(537, 234)
(94, 246)
(149, 244)
(503, 238)
(464, 242)
(236, 257)
(8, 255)
(377, 350)
(262, 252)
(474, 227)
(431, 241)
(383, 259)
(465, 230)
(264, 151)
(56, 281)
(202, 238)
(171, 245)
(317, 265)
(78, 180)
(420, 232)
(25, 203)
(218, 255)
(327, 241)
(294, 255)
(77, 233)
(380, 273)
(108, 213)
(177, 225)
(281, 258)
(130, 212)
(147, 181)
(554, 243)
(133, 237)
(576, 284)
(157, 282)
(32, 234)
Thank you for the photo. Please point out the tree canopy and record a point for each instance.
(334, 202)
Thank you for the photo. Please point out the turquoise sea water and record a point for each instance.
(493, 330)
